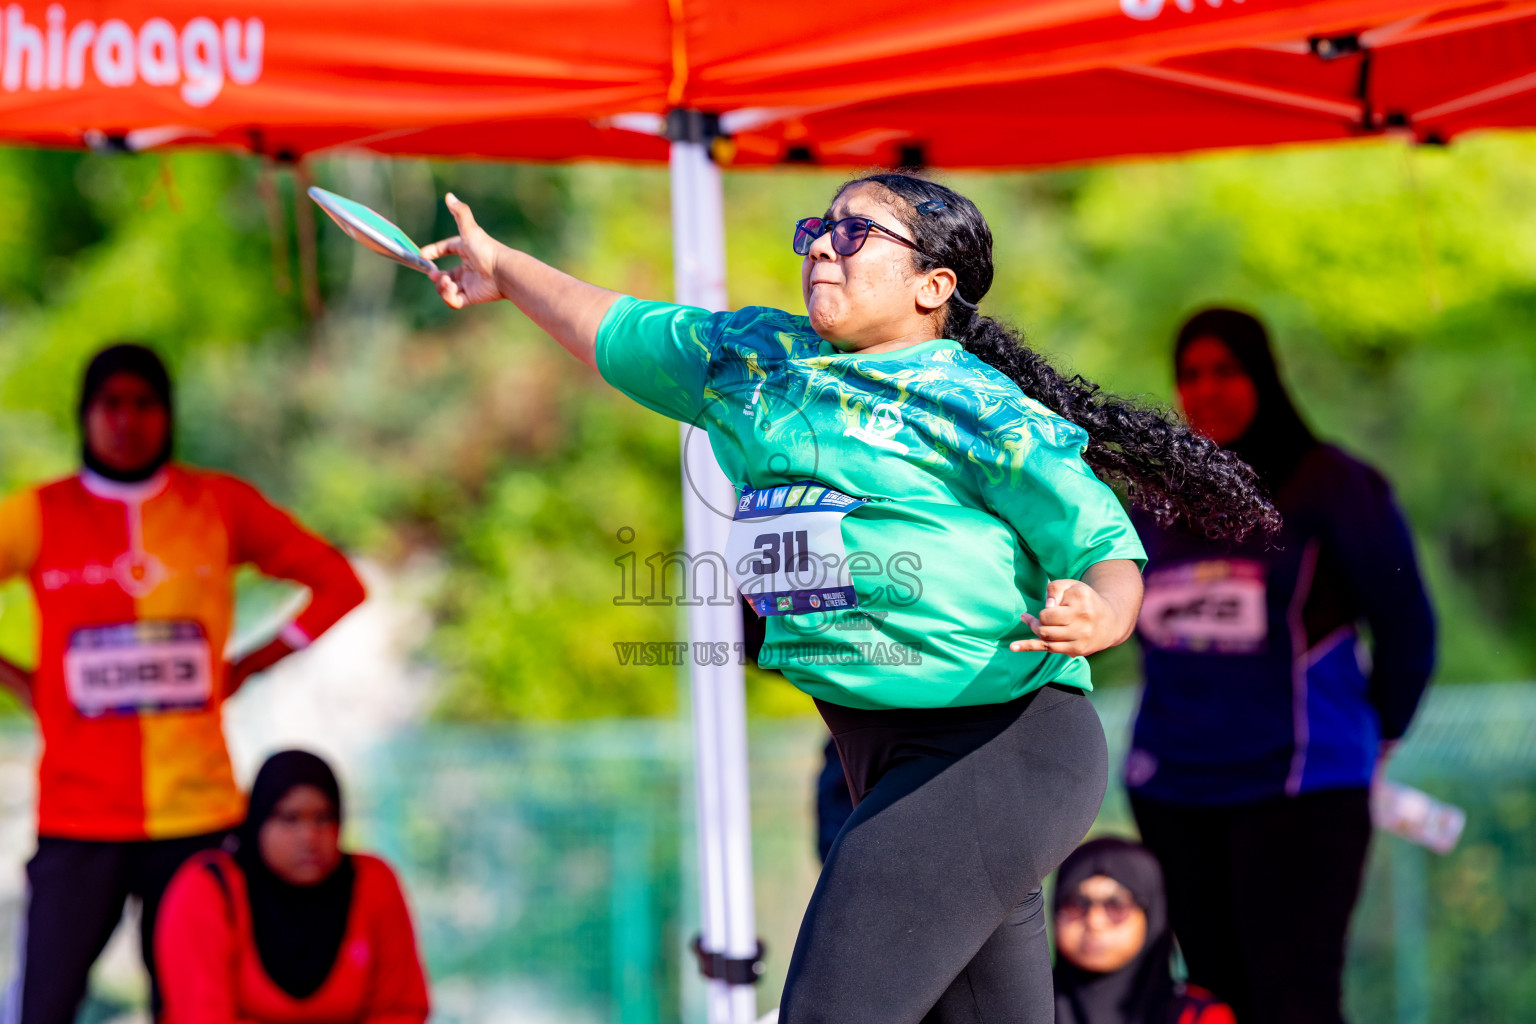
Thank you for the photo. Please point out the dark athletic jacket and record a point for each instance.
(1257, 684)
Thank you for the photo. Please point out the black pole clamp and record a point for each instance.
(1334, 47)
(701, 128)
(732, 971)
(685, 125)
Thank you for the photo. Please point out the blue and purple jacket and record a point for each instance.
(1257, 682)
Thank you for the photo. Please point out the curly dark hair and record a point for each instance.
(1169, 471)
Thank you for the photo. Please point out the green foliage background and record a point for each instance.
(1400, 285)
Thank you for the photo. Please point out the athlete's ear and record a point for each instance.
(935, 288)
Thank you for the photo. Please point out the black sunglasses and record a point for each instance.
(848, 234)
(1117, 908)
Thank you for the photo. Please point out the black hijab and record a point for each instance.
(299, 928)
(144, 364)
(1141, 992)
(1277, 439)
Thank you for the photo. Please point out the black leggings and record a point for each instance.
(1260, 897)
(76, 892)
(929, 909)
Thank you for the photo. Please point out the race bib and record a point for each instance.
(138, 667)
(786, 549)
(1218, 606)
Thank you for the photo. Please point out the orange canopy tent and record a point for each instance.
(969, 82)
(1429, 76)
(974, 83)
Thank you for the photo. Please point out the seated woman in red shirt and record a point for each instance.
(1114, 948)
(288, 929)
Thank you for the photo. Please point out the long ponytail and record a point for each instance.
(1169, 471)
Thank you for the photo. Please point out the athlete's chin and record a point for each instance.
(824, 320)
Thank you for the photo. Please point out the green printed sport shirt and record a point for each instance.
(976, 496)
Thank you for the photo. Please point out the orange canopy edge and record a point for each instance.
(971, 83)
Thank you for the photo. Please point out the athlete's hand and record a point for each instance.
(569, 309)
(1075, 620)
(1086, 616)
(474, 279)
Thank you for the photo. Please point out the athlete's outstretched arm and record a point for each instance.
(1088, 615)
(570, 310)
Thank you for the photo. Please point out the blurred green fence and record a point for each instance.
(544, 866)
(550, 865)
(1453, 938)
(1447, 939)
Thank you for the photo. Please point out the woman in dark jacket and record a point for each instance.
(1114, 949)
(1263, 720)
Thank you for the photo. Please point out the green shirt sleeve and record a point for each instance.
(658, 354)
(1067, 517)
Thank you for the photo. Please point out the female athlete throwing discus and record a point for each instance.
(936, 558)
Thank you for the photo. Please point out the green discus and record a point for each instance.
(371, 230)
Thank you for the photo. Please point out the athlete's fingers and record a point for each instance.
(448, 289)
(1058, 632)
(448, 246)
(463, 216)
(1051, 618)
(1061, 615)
(1047, 647)
(1029, 645)
(1056, 591)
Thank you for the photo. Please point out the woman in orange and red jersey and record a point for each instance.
(288, 929)
(130, 562)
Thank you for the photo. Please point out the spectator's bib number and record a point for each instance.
(138, 667)
(1219, 606)
(786, 549)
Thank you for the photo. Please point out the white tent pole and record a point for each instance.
(718, 691)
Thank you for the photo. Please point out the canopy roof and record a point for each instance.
(966, 83)
(1433, 78)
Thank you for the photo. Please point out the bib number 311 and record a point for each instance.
(786, 549)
